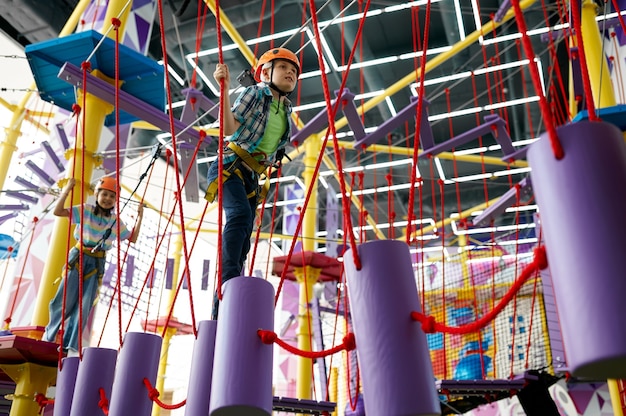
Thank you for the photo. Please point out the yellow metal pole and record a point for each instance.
(165, 350)
(170, 332)
(601, 86)
(30, 379)
(603, 96)
(95, 111)
(333, 389)
(616, 399)
(307, 276)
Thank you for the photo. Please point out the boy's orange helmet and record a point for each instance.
(276, 53)
(108, 183)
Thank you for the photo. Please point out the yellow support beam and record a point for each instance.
(30, 379)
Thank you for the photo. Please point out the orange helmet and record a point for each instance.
(108, 183)
(276, 53)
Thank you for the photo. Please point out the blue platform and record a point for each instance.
(141, 76)
(615, 115)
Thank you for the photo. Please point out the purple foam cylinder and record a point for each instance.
(393, 353)
(66, 381)
(242, 369)
(199, 390)
(138, 359)
(95, 372)
(581, 207)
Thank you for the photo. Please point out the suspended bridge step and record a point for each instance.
(19, 349)
(479, 387)
(309, 407)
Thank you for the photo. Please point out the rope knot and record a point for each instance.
(541, 259)
(103, 403)
(349, 342)
(86, 66)
(75, 108)
(41, 399)
(267, 337)
(202, 134)
(116, 22)
(153, 393)
(427, 321)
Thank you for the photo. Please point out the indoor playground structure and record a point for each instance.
(446, 243)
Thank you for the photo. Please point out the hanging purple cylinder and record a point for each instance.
(199, 390)
(242, 370)
(139, 359)
(581, 201)
(66, 381)
(95, 372)
(393, 353)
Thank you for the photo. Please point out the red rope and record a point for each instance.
(420, 106)
(557, 149)
(103, 403)
(173, 134)
(153, 394)
(42, 401)
(116, 24)
(331, 130)
(591, 108)
(269, 337)
(220, 153)
(86, 67)
(430, 326)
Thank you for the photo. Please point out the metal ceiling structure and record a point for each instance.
(474, 68)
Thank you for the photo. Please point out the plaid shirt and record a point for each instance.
(251, 109)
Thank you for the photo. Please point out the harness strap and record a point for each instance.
(247, 158)
(211, 190)
(249, 162)
(87, 250)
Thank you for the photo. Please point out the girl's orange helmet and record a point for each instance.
(276, 53)
(108, 183)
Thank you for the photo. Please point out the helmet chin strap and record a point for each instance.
(273, 86)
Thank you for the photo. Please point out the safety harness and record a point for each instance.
(87, 251)
(246, 161)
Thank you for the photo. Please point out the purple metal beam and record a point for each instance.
(313, 126)
(27, 184)
(349, 110)
(393, 123)
(43, 175)
(505, 201)
(7, 217)
(21, 196)
(14, 207)
(62, 136)
(53, 156)
(491, 121)
(518, 154)
(132, 105)
(504, 7)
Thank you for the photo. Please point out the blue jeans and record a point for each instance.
(90, 291)
(240, 212)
